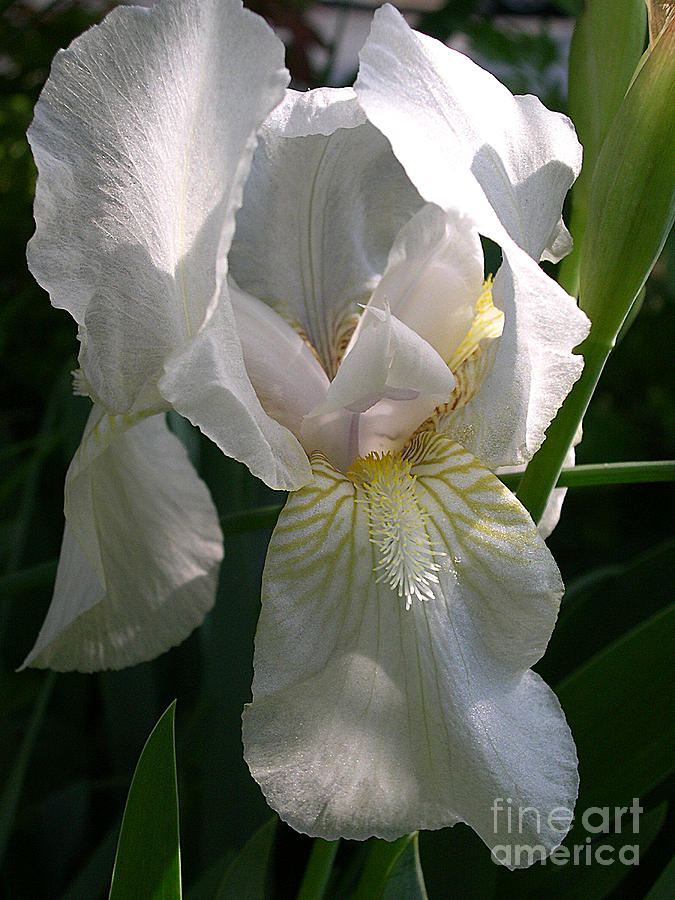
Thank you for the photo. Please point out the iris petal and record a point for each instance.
(141, 550)
(368, 719)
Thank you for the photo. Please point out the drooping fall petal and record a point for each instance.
(370, 719)
(141, 551)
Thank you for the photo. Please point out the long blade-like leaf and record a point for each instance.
(147, 865)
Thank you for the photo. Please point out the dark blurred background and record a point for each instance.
(65, 766)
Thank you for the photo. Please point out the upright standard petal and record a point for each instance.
(475, 145)
(327, 185)
(505, 163)
(143, 138)
(372, 719)
(141, 551)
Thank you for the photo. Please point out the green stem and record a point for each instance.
(251, 519)
(597, 474)
(318, 870)
(618, 473)
(544, 469)
(574, 476)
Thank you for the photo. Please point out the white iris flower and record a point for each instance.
(339, 337)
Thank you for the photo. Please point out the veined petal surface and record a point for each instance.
(368, 719)
(143, 137)
(327, 185)
(141, 550)
(506, 163)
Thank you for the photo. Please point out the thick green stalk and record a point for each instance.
(618, 473)
(251, 519)
(542, 474)
(319, 868)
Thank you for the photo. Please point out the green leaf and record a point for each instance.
(147, 864)
(318, 870)
(664, 887)
(391, 869)
(246, 875)
(619, 708)
(631, 204)
(406, 881)
(601, 606)
(606, 46)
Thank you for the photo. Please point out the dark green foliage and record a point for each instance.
(614, 547)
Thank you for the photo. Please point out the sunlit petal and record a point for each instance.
(465, 141)
(370, 719)
(531, 373)
(143, 137)
(505, 163)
